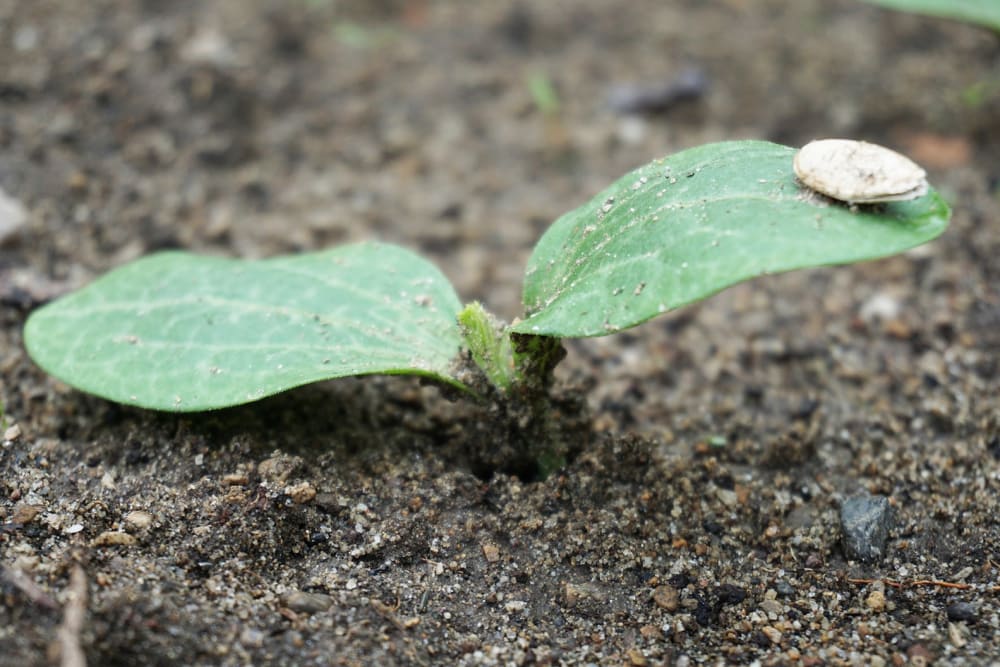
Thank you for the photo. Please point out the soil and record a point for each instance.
(365, 521)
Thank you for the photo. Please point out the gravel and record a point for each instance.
(865, 522)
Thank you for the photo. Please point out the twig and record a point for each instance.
(70, 651)
(887, 582)
(388, 612)
(916, 582)
(30, 589)
(942, 584)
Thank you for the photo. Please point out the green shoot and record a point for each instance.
(179, 332)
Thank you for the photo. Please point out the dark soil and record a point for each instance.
(364, 522)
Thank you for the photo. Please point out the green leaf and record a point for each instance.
(983, 12)
(680, 229)
(180, 332)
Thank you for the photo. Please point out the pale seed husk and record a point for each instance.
(858, 172)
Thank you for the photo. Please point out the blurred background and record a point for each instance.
(255, 127)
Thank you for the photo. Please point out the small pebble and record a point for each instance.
(301, 493)
(865, 522)
(876, 601)
(651, 632)
(962, 611)
(882, 306)
(113, 538)
(727, 497)
(13, 217)
(139, 519)
(12, 433)
(772, 607)
(252, 638)
(490, 552)
(575, 593)
(318, 537)
(919, 655)
(307, 603)
(773, 634)
(667, 597)
(279, 468)
(730, 594)
(636, 658)
(24, 513)
(784, 589)
(956, 636)
(657, 97)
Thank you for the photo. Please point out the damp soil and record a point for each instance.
(372, 521)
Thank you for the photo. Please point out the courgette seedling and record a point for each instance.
(179, 332)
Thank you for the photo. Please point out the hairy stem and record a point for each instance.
(488, 343)
(519, 369)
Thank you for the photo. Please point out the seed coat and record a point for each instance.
(858, 172)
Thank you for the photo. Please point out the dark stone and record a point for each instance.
(307, 603)
(712, 526)
(728, 594)
(784, 589)
(319, 537)
(962, 611)
(805, 409)
(703, 613)
(865, 522)
(993, 445)
(725, 482)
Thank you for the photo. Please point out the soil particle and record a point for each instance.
(876, 601)
(667, 597)
(139, 519)
(307, 603)
(962, 611)
(865, 522)
(12, 217)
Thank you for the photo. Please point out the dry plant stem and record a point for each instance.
(915, 583)
(68, 635)
(30, 589)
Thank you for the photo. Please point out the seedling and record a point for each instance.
(180, 332)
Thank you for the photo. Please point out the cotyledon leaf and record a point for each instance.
(181, 332)
(682, 228)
